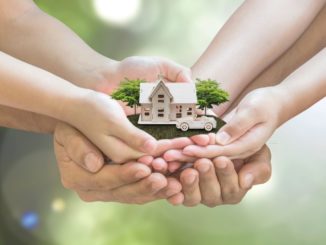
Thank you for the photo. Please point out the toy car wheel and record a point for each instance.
(208, 127)
(184, 127)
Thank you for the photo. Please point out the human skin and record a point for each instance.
(310, 43)
(83, 67)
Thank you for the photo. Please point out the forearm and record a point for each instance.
(35, 37)
(29, 88)
(24, 120)
(304, 87)
(255, 36)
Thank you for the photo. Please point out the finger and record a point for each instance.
(78, 148)
(177, 143)
(110, 176)
(174, 72)
(209, 186)
(241, 122)
(248, 144)
(147, 160)
(190, 186)
(209, 151)
(177, 199)
(174, 166)
(118, 151)
(173, 187)
(201, 139)
(160, 165)
(142, 191)
(257, 170)
(177, 155)
(228, 179)
(134, 137)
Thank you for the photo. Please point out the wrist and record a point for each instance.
(285, 100)
(73, 104)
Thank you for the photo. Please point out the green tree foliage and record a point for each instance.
(209, 93)
(128, 92)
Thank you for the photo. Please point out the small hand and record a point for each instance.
(83, 170)
(248, 127)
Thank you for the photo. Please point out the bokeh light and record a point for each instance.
(118, 12)
(30, 220)
(58, 205)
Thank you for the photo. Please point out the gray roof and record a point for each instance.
(182, 93)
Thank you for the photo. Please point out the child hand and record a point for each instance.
(248, 126)
(104, 122)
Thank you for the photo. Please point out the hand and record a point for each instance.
(222, 181)
(146, 68)
(129, 183)
(103, 121)
(248, 126)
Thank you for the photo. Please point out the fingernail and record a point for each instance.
(190, 179)
(248, 180)
(92, 162)
(222, 138)
(221, 164)
(141, 174)
(203, 168)
(149, 146)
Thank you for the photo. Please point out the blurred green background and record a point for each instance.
(35, 209)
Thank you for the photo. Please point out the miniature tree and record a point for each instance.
(209, 93)
(128, 92)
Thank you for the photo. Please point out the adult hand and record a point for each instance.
(222, 181)
(138, 67)
(82, 169)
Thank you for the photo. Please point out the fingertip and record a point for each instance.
(176, 200)
(149, 146)
(147, 160)
(222, 137)
(93, 162)
(201, 139)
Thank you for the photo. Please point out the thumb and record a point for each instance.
(175, 72)
(237, 124)
(78, 148)
(135, 137)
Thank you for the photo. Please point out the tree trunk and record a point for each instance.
(135, 107)
(205, 110)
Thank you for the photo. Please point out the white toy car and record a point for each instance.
(207, 123)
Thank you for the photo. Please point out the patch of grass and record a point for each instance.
(170, 131)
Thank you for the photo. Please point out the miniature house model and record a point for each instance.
(165, 102)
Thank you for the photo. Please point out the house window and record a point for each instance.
(189, 111)
(179, 115)
(146, 113)
(161, 96)
(160, 101)
(160, 112)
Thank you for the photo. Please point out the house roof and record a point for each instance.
(182, 93)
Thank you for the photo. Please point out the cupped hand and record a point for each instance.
(140, 67)
(222, 181)
(83, 170)
(248, 127)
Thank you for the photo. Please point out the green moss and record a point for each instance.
(170, 131)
